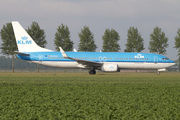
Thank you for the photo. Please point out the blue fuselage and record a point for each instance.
(98, 57)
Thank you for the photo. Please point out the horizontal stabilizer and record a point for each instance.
(20, 53)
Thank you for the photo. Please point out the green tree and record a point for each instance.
(177, 41)
(62, 38)
(110, 41)
(177, 44)
(158, 41)
(38, 35)
(87, 42)
(8, 42)
(134, 41)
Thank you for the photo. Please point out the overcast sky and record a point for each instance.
(98, 15)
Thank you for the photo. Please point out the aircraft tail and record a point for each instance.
(24, 42)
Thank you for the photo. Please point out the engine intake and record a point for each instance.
(110, 68)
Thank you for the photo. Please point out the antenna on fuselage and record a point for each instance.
(74, 50)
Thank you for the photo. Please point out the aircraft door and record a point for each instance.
(40, 58)
(155, 59)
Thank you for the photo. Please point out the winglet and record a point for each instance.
(63, 53)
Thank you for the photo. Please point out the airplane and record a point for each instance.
(105, 61)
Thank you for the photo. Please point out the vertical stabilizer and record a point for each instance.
(24, 42)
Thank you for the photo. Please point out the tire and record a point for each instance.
(158, 73)
(92, 72)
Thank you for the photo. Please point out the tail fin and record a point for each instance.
(24, 42)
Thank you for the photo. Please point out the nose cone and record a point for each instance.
(172, 63)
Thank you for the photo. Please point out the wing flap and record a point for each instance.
(88, 63)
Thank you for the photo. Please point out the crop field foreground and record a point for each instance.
(80, 96)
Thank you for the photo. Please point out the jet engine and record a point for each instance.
(110, 68)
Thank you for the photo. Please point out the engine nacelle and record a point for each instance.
(110, 68)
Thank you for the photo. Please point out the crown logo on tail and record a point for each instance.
(24, 38)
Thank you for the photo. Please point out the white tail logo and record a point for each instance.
(24, 42)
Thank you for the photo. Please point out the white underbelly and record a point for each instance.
(121, 65)
(58, 64)
(142, 65)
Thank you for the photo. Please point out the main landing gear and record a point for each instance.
(92, 72)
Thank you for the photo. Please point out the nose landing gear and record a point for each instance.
(158, 73)
(92, 72)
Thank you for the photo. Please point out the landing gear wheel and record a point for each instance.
(92, 72)
(158, 73)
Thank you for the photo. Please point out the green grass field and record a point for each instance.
(69, 96)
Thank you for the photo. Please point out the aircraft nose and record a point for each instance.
(172, 63)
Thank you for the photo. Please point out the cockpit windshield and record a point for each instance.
(165, 58)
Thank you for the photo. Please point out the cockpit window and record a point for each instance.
(165, 58)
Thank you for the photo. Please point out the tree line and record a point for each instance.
(135, 43)
(20, 64)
